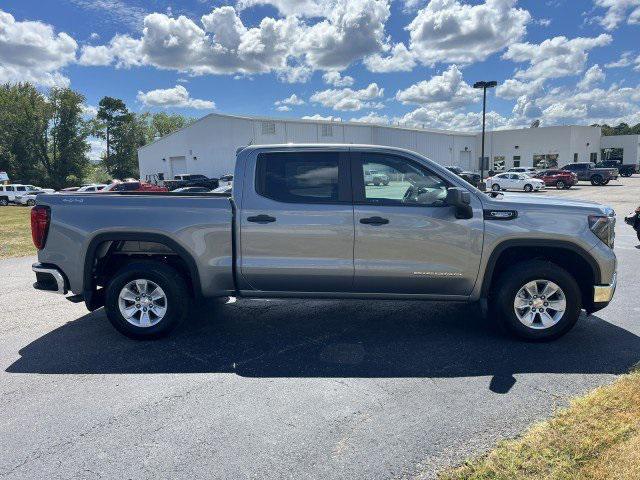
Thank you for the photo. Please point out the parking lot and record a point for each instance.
(292, 389)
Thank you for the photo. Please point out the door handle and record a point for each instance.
(374, 221)
(261, 219)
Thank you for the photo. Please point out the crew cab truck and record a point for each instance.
(588, 172)
(301, 223)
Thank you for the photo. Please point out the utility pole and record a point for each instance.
(484, 86)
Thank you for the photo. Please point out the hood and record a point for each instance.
(515, 200)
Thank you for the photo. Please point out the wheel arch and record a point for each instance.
(95, 299)
(573, 258)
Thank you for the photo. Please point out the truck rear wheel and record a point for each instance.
(596, 180)
(146, 300)
(537, 300)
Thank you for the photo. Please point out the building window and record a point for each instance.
(516, 161)
(499, 164)
(543, 162)
(327, 130)
(593, 157)
(268, 128)
(517, 147)
(575, 158)
(613, 154)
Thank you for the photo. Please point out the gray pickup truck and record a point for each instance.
(588, 172)
(302, 224)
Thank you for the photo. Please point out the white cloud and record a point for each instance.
(89, 111)
(292, 100)
(353, 29)
(452, 31)
(348, 99)
(372, 117)
(446, 91)
(33, 52)
(222, 44)
(426, 117)
(95, 56)
(513, 89)
(335, 78)
(554, 58)
(592, 77)
(526, 108)
(283, 108)
(177, 96)
(612, 105)
(317, 116)
(617, 11)
(625, 60)
(543, 22)
(399, 59)
(116, 11)
(301, 8)
(97, 148)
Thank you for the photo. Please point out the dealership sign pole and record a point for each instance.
(484, 86)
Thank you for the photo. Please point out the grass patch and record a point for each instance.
(15, 232)
(596, 438)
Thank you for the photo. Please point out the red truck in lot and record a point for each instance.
(557, 178)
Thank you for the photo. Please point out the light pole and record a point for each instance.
(484, 86)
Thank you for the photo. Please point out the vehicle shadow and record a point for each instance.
(272, 338)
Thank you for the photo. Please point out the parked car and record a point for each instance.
(587, 172)
(29, 198)
(226, 179)
(223, 189)
(514, 181)
(625, 170)
(69, 189)
(473, 178)
(634, 221)
(531, 171)
(94, 187)
(133, 187)
(375, 177)
(302, 224)
(191, 190)
(8, 193)
(191, 180)
(557, 178)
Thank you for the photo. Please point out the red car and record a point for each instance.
(557, 178)
(133, 187)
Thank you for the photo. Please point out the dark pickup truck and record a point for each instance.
(625, 170)
(588, 172)
(195, 180)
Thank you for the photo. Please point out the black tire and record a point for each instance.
(560, 185)
(528, 188)
(626, 174)
(495, 187)
(4, 202)
(512, 280)
(596, 180)
(606, 182)
(168, 279)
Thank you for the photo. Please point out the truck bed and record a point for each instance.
(198, 225)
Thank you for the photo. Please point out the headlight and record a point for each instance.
(603, 227)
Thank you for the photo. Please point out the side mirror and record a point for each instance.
(460, 199)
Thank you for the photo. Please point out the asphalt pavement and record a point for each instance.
(290, 389)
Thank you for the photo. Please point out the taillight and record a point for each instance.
(40, 217)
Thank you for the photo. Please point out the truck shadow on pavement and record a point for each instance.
(272, 338)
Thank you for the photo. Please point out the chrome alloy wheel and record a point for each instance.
(142, 303)
(540, 304)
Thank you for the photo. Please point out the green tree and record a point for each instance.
(112, 112)
(127, 136)
(65, 159)
(163, 124)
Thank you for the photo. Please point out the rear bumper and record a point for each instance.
(49, 278)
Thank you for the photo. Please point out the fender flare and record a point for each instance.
(557, 244)
(94, 301)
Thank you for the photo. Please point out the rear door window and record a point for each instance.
(303, 177)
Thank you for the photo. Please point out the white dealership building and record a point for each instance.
(209, 145)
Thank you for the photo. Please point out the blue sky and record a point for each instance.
(398, 61)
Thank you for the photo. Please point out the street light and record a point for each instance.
(484, 86)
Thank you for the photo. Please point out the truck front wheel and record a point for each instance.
(146, 300)
(596, 180)
(537, 300)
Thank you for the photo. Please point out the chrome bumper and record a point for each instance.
(604, 293)
(49, 279)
